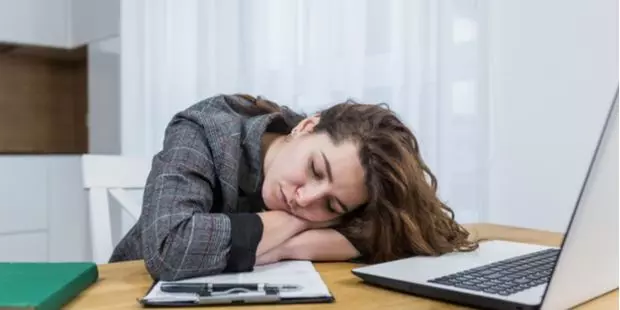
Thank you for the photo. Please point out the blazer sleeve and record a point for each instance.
(181, 238)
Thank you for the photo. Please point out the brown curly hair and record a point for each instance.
(403, 216)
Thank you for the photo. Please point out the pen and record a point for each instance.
(201, 287)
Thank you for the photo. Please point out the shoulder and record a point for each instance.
(215, 108)
(217, 115)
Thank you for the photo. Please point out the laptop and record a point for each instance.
(512, 275)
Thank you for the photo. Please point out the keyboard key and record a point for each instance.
(494, 275)
(490, 290)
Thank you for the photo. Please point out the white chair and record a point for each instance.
(113, 175)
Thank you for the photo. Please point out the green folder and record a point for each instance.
(43, 286)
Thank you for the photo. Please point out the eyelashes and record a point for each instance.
(318, 175)
(315, 173)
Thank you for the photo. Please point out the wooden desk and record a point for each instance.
(121, 284)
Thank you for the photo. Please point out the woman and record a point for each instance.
(241, 181)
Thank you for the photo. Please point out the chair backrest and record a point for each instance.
(106, 176)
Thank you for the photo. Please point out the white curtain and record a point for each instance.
(421, 57)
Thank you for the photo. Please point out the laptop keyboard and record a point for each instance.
(505, 277)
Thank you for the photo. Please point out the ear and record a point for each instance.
(306, 125)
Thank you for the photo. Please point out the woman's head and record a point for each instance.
(380, 186)
(313, 176)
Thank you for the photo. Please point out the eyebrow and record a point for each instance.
(330, 177)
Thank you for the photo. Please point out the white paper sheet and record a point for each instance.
(288, 272)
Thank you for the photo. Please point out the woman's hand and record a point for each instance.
(278, 227)
(314, 245)
(273, 256)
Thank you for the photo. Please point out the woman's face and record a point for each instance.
(311, 177)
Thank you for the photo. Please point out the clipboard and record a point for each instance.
(301, 273)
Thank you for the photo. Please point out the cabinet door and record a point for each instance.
(23, 247)
(23, 194)
(68, 233)
(58, 23)
(37, 22)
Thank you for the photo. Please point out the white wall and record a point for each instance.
(553, 68)
(104, 107)
(94, 20)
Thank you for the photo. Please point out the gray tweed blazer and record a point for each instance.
(202, 195)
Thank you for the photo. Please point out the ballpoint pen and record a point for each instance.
(202, 288)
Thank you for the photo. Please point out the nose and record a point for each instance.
(308, 195)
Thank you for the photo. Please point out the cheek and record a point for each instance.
(291, 166)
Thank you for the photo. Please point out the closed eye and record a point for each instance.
(329, 206)
(314, 171)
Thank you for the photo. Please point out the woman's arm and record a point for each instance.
(316, 245)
